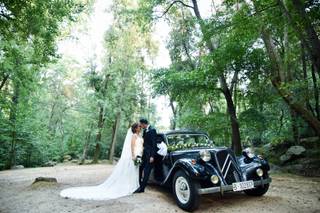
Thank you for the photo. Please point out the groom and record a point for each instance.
(149, 151)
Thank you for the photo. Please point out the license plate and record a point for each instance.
(243, 185)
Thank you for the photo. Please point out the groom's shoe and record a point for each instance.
(137, 191)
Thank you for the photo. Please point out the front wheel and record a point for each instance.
(260, 190)
(185, 191)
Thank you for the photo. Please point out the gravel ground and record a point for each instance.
(287, 193)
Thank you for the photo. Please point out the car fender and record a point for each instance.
(194, 171)
(249, 169)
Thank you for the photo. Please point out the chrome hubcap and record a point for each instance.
(182, 190)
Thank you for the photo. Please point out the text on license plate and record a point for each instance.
(243, 185)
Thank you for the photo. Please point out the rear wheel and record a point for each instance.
(185, 191)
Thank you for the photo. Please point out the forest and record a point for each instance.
(247, 72)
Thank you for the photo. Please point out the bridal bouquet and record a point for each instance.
(138, 161)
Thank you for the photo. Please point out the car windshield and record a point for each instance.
(189, 139)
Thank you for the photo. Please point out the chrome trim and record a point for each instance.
(194, 149)
(225, 174)
(224, 164)
(225, 188)
(169, 173)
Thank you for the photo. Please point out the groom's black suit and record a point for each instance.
(150, 147)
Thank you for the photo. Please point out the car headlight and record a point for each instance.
(248, 152)
(205, 155)
(259, 172)
(214, 179)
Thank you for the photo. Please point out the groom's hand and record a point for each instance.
(151, 159)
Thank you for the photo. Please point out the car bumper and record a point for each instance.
(226, 188)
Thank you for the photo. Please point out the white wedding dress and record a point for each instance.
(123, 181)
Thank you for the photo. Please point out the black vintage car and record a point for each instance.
(195, 166)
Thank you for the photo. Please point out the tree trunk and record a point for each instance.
(277, 69)
(295, 127)
(52, 124)
(281, 121)
(4, 80)
(174, 112)
(114, 136)
(98, 136)
(29, 155)
(123, 87)
(310, 33)
(304, 29)
(13, 117)
(305, 77)
(315, 91)
(236, 140)
(299, 109)
(86, 145)
(289, 78)
(184, 45)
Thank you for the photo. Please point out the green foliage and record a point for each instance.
(192, 81)
(51, 107)
(28, 31)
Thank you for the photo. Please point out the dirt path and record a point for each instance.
(286, 194)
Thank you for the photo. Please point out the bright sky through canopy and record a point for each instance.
(87, 42)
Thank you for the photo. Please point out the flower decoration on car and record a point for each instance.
(175, 147)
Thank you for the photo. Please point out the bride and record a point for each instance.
(124, 179)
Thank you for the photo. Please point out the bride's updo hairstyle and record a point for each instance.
(134, 127)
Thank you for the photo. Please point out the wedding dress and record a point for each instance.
(123, 181)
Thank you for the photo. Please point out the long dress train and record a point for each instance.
(123, 181)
